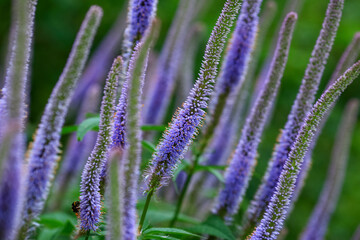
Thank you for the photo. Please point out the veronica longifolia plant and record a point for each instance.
(274, 216)
(317, 225)
(188, 118)
(243, 161)
(43, 154)
(90, 204)
(300, 108)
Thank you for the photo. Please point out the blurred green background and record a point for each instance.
(57, 22)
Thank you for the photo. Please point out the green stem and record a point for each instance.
(143, 215)
(87, 235)
(184, 189)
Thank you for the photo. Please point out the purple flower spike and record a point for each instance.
(243, 161)
(317, 225)
(44, 153)
(12, 118)
(132, 155)
(90, 180)
(140, 17)
(169, 62)
(273, 219)
(300, 108)
(188, 118)
(235, 65)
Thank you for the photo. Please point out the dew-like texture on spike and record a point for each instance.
(45, 149)
(300, 108)
(273, 219)
(141, 14)
(90, 204)
(320, 217)
(242, 164)
(169, 62)
(184, 125)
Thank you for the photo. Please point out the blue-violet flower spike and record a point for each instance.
(242, 164)
(184, 125)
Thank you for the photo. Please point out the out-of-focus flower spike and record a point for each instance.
(170, 61)
(132, 155)
(184, 125)
(12, 104)
(347, 59)
(224, 136)
(317, 225)
(43, 155)
(266, 19)
(77, 151)
(90, 180)
(101, 60)
(13, 113)
(186, 74)
(140, 16)
(235, 65)
(356, 235)
(300, 108)
(276, 212)
(115, 194)
(349, 56)
(243, 161)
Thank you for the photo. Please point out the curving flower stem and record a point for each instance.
(143, 215)
(184, 190)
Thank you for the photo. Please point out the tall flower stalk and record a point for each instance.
(235, 66)
(184, 124)
(132, 154)
(44, 153)
(13, 115)
(77, 151)
(115, 194)
(317, 225)
(169, 62)
(300, 108)
(90, 199)
(276, 212)
(243, 161)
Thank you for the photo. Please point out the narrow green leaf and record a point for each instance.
(171, 231)
(159, 128)
(215, 170)
(90, 124)
(68, 129)
(148, 145)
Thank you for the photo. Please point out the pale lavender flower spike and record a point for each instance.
(115, 194)
(300, 108)
(132, 155)
(243, 161)
(90, 204)
(188, 118)
(77, 151)
(44, 153)
(273, 219)
(317, 225)
(347, 59)
(12, 117)
(140, 17)
(169, 62)
(235, 65)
